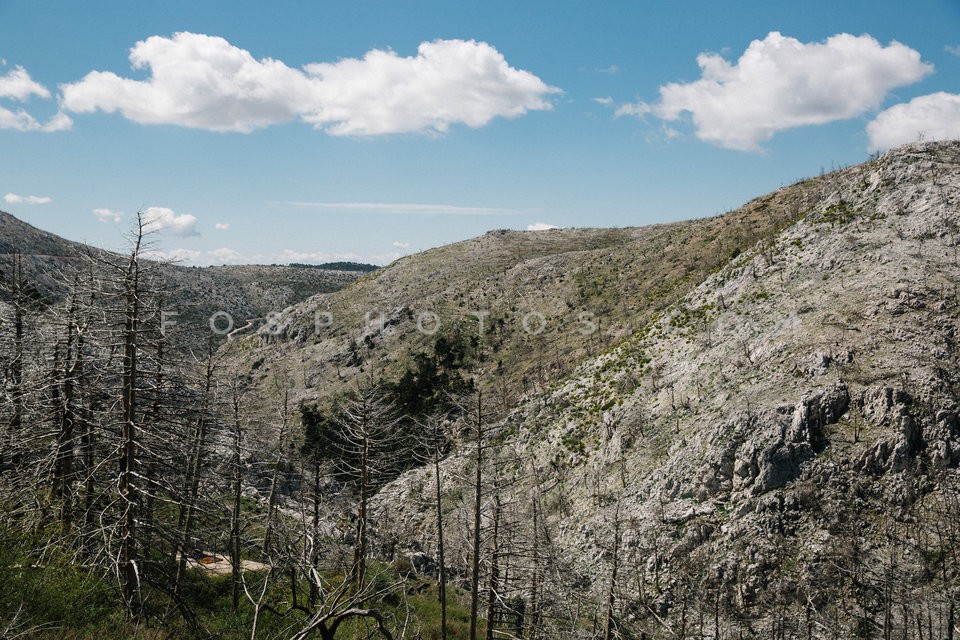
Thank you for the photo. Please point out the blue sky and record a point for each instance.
(314, 131)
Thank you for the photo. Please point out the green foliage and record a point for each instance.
(56, 594)
(320, 435)
(52, 597)
(573, 441)
(838, 213)
(432, 380)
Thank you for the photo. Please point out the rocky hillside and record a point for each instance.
(16, 236)
(523, 308)
(195, 293)
(774, 454)
(744, 426)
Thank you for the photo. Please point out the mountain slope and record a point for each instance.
(776, 451)
(738, 427)
(196, 294)
(546, 299)
(16, 236)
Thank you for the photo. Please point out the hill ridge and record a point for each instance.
(800, 401)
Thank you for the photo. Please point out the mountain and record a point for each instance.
(773, 454)
(196, 294)
(761, 430)
(519, 308)
(16, 236)
(744, 426)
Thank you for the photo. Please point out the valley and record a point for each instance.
(738, 426)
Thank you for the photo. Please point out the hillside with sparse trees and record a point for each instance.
(742, 426)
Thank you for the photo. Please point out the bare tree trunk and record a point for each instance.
(65, 437)
(441, 557)
(188, 510)
(158, 381)
(494, 584)
(275, 479)
(609, 624)
(129, 579)
(236, 576)
(88, 454)
(369, 437)
(68, 415)
(535, 574)
(477, 506)
(272, 500)
(16, 365)
(314, 595)
(360, 544)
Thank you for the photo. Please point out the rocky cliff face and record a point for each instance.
(776, 451)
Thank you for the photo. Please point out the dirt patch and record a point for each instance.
(220, 565)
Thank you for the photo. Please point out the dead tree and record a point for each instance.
(282, 388)
(128, 568)
(236, 490)
(19, 299)
(437, 445)
(188, 508)
(368, 442)
(480, 444)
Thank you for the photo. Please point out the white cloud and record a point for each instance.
(611, 70)
(18, 84)
(636, 109)
(222, 226)
(316, 257)
(163, 219)
(205, 82)
(447, 82)
(13, 198)
(406, 208)
(20, 120)
(225, 255)
(779, 83)
(541, 226)
(173, 255)
(108, 215)
(401, 245)
(952, 50)
(931, 117)
(604, 101)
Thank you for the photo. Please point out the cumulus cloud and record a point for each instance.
(163, 219)
(205, 82)
(222, 226)
(541, 226)
(20, 120)
(952, 50)
(316, 257)
(780, 83)
(18, 85)
(931, 117)
(447, 82)
(13, 198)
(173, 255)
(108, 215)
(401, 245)
(225, 255)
